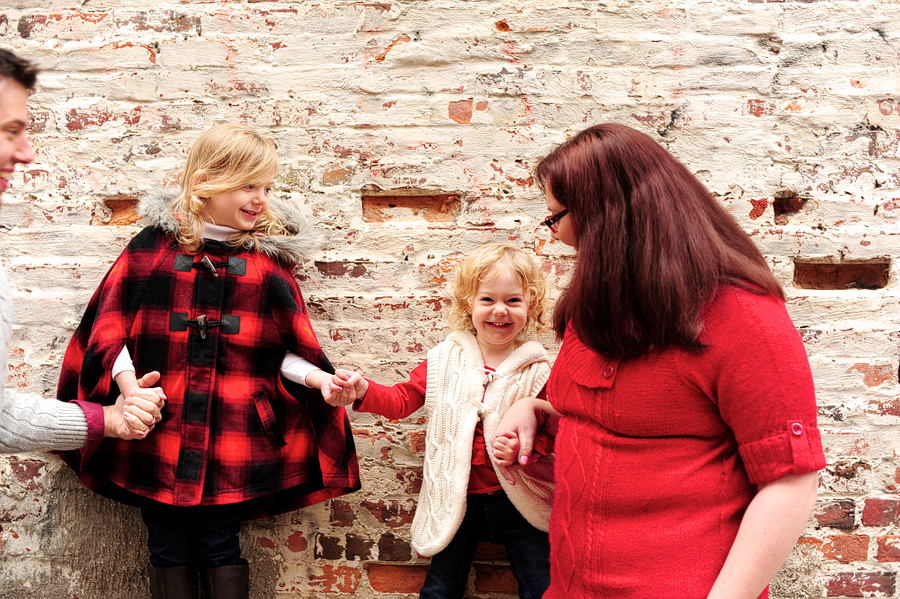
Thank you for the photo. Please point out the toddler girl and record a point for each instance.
(206, 296)
(466, 385)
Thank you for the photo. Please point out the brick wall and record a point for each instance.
(408, 132)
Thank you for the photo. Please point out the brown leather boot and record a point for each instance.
(226, 582)
(173, 583)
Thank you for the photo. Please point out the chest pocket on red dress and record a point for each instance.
(600, 374)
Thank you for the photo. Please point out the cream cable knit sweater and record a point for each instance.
(30, 422)
(453, 405)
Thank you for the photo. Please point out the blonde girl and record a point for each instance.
(466, 385)
(205, 295)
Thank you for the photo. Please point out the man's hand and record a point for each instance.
(135, 416)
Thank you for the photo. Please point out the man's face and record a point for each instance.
(14, 146)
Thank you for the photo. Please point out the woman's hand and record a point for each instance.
(521, 423)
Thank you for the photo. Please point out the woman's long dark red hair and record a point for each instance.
(653, 244)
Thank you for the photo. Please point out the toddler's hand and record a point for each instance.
(506, 452)
(344, 388)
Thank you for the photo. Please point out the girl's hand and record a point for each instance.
(133, 417)
(344, 388)
(520, 423)
(506, 453)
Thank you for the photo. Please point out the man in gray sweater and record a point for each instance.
(29, 422)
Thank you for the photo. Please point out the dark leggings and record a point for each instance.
(199, 536)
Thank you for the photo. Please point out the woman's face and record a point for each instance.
(565, 230)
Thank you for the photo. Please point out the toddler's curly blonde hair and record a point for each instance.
(479, 266)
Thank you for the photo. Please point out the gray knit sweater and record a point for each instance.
(30, 422)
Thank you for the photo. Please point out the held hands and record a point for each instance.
(506, 453)
(344, 387)
(514, 438)
(134, 416)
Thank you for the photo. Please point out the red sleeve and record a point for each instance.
(757, 372)
(398, 401)
(93, 412)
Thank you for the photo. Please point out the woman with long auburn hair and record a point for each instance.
(682, 400)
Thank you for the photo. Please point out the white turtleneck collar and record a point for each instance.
(217, 232)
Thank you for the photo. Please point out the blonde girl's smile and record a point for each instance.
(239, 208)
(499, 311)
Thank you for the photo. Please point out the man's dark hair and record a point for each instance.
(18, 69)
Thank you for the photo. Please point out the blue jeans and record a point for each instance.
(491, 518)
(198, 536)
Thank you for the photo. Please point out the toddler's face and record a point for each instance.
(500, 309)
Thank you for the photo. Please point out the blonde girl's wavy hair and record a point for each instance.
(224, 158)
(479, 266)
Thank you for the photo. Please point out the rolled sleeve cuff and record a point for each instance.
(93, 412)
(798, 450)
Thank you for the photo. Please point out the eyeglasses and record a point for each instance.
(551, 220)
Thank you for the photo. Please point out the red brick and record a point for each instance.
(297, 542)
(756, 107)
(27, 472)
(880, 512)
(67, 21)
(873, 374)
(265, 542)
(328, 548)
(359, 547)
(342, 513)
(839, 514)
(391, 513)
(394, 549)
(846, 548)
(124, 212)
(888, 548)
(495, 579)
(78, 119)
(417, 441)
(861, 584)
(869, 274)
(337, 176)
(336, 579)
(431, 208)
(411, 478)
(162, 22)
(341, 269)
(461, 111)
(759, 207)
(389, 578)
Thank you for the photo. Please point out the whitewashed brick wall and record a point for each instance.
(449, 104)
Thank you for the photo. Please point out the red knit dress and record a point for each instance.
(659, 456)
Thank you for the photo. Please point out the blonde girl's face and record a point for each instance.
(240, 208)
(499, 310)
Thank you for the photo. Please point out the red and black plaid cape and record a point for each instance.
(233, 431)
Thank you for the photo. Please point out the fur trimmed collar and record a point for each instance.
(293, 249)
